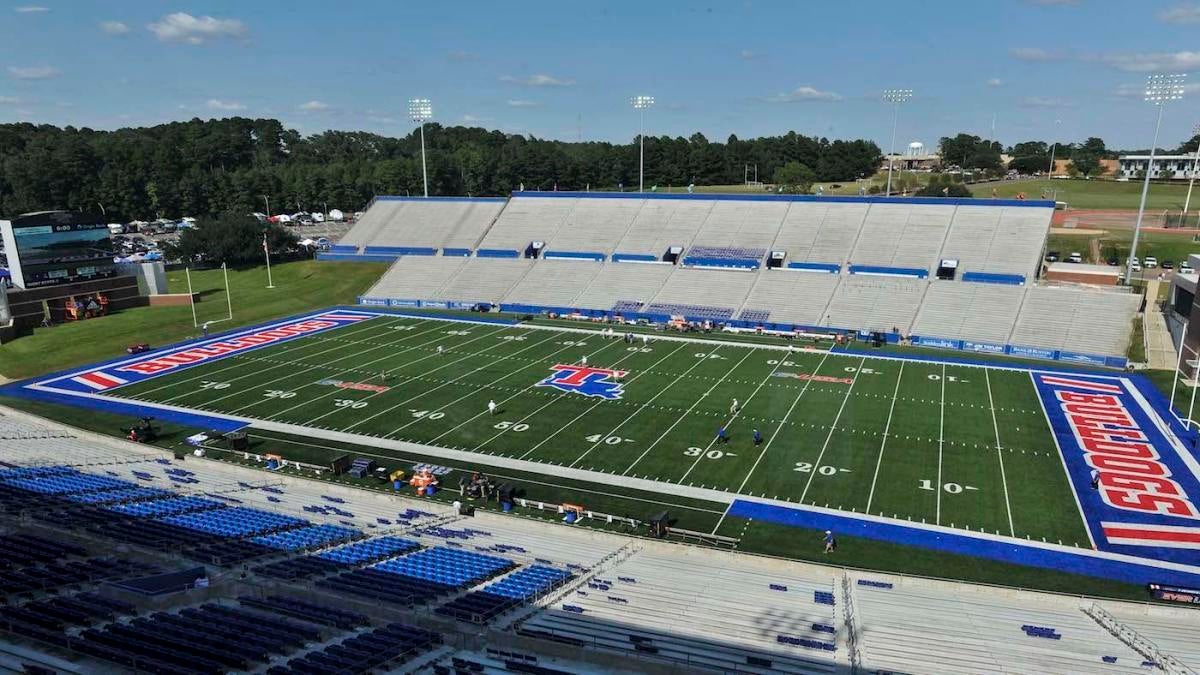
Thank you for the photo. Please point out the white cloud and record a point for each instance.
(805, 93)
(472, 119)
(1183, 14)
(9, 100)
(995, 82)
(538, 81)
(1148, 63)
(460, 56)
(523, 103)
(185, 28)
(1045, 102)
(114, 27)
(747, 55)
(218, 104)
(33, 72)
(314, 106)
(31, 9)
(1036, 54)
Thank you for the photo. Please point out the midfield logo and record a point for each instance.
(597, 382)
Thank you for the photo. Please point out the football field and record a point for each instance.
(961, 446)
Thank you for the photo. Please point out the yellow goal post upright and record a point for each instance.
(1187, 374)
(192, 297)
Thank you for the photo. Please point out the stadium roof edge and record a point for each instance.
(947, 201)
(400, 198)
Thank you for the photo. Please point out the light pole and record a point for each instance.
(268, 201)
(1191, 179)
(641, 103)
(1053, 147)
(1159, 90)
(420, 110)
(895, 97)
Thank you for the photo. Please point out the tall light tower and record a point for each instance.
(895, 97)
(1160, 89)
(641, 103)
(420, 110)
(1053, 148)
(1191, 178)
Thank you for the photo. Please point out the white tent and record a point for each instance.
(336, 215)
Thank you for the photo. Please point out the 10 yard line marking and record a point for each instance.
(771, 440)
(580, 415)
(883, 443)
(733, 419)
(832, 428)
(941, 440)
(999, 453)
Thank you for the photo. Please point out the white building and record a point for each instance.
(1170, 167)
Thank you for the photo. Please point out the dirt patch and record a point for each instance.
(1079, 231)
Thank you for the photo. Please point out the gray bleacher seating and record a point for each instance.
(554, 283)
(595, 225)
(484, 280)
(741, 223)
(820, 232)
(997, 240)
(616, 282)
(969, 311)
(416, 277)
(528, 219)
(706, 288)
(903, 235)
(1087, 321)
(419, 223)
(877, 303)
(662, 223)
(793, 297)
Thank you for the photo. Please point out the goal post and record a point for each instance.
(192, 297)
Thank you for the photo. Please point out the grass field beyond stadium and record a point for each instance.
(961, 446)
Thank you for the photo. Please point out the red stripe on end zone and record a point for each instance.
(1081, 384)
(98, 380)
(1152, 535)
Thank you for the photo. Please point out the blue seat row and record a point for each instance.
(133, 494)
(514, 590)
(452, 567)
(166, 507)
(306, 538)
(370, 550)
(234, 522)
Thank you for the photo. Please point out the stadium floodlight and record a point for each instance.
(420, 110)
(641, 103)
(895, 97)
(1053, 148)
(1191, 177)
(1160, 90)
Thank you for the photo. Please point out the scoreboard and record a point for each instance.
(57, 247)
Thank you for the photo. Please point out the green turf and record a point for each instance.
(299, 287)
(1089, 194)
(824, 439)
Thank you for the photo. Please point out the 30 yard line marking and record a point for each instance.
(883, 443)
(291, 347)
(689, 410)
(635, 412)
(941, 441)
(733, 418)
(767, 446)
(526, 390)
(580, 415)
(999, 453)
(338, 373)
(832, 428)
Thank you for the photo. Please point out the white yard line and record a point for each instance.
(999, 454)
(687, 412)
(832, 428)
(640, 409)
(941, 440)
(580, 415)
(450, 382)
(404, 378)
(309, 369)
(882, 444)
(505, 400)
(774, 434)
(296, 345)
(733, 418)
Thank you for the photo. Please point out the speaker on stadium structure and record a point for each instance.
(673, 253)
(775, 260)
(534, 250)
(660, 524)
(237, 440)
(466, 510)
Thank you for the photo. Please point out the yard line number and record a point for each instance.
(348, 403)
(951, 488)
(823, 470)
(709, 454)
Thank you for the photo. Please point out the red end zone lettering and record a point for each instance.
(225, 347)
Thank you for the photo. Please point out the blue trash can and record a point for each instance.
(430, 490)
(506, 507)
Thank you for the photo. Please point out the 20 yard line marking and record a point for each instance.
(941, 440)
(689, 410)
(999, 453)
(883, 443)
(832, 428)
(782, 423)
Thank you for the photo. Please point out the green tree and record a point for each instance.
(794, 178)
(944, 186)
(234, 240)
(1085, 163)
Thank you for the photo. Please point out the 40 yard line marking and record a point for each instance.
(580, 415)
(293, 346)
(782, 423)
(999, 453)
(941, 441)
(832, 428)
(882, 444)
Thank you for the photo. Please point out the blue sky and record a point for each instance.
(558, 69)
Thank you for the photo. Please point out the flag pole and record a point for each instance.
(267, 252)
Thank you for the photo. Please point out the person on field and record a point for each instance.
(757, 437)
(830, 542)
(583, 359)
(1095, 479)
(440, 350)
(491, 407)
(645, 340)
(733, 407)
(722, 437)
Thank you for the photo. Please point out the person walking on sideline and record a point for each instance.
(733, 407)
(440, 350)
(830, 542)
(491, 407)
(583, 359)
(721, 436)
(757, 437)
(645, 340)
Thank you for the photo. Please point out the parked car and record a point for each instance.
(1052, 256)
(1075, 257)
(1185, 267)
(1114, 261)
(1167, 265)
(1151, 262)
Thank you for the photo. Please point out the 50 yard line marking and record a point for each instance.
(999, 453)
(941, 440)
(882, 444)
(832, 428)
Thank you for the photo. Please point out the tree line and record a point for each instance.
(236, 165)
